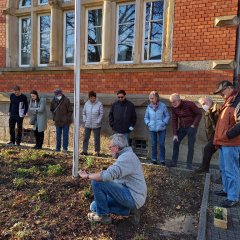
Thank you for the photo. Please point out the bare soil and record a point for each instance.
(40, 200)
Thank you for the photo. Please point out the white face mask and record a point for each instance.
(59, 97)
(205, 107)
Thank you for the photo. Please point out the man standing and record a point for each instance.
(61, 109)
(211, 116)
(120, 188)
(17, 111)
(122, 115)
(227, 138)
(185, 120)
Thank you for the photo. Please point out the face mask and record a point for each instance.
(205, 107)
(59, 97)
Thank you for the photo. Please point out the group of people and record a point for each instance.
(61, 109)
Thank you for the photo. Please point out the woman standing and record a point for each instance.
(37, 109)
(92, 119)
(156, 118)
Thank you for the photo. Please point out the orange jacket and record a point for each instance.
(227, 131)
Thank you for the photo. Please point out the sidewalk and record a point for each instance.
(233, 230)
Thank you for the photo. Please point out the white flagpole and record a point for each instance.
(77, 63)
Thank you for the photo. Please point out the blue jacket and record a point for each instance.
(156, 120)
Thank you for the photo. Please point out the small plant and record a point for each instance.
(88, 162)
(86, 192)
(26, 172)
(218, 213)
(19, 182)
(21, 230)
(54, 170)
(41, 195)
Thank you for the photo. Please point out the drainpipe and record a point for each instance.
(237, 59)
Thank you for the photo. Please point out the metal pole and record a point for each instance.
(77, 63)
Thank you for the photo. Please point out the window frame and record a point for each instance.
(20, 7)
(86, 35)
(143, 27)
(42, 4)
(20, 41)
(64, 38)
(116, 38)
(38, 43)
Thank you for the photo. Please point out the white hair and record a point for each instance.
(119, 140)
(174, 97)
(206, 99)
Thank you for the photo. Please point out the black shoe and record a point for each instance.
(18, 143)
(220, 193)
(134, 216)
(154, 162)
(172, 164)
(84, 153)
(229, 203)
(11, 144)
(201, 170)
(163, 164)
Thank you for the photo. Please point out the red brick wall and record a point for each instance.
(198, 82)
(2, 34)
(195, 37)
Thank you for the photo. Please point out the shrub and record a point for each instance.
(26, 172)
(54, 170)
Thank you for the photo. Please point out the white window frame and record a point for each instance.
(42, 4)
(117, 26)
(86, 36)
(64, 39)
(143, 35)
(20, 42)
(20, 6)
(39, 16)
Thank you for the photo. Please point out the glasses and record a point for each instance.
(120, 97)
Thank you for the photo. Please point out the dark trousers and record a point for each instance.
(87, 134)
(208, 151)
(181, 133)
(13, 120)
(39, 136)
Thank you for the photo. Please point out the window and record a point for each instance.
(44, 40)
(42, 2)
(125, 32)
(24, 3)
(94, 36)
(24, 41)
(68, 41)
(153, 31)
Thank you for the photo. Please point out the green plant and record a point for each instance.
(218, 213)
(21, 230)
(26, 172)
(88, 162)
(19, 182)
(86, 192)
(54, 170)
(41, 195)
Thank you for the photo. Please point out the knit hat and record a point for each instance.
(58, 91)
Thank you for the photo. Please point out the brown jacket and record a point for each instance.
(211, 118)
(228, 126)
(62, 111)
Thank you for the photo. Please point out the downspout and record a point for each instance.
(237, 59)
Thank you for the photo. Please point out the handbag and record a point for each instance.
(33, 119)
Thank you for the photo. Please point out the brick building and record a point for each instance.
(169, 45)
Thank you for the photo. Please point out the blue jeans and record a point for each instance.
(229, 161)
(59, 131)
(158, 137)
(181, 133)
(111, 197)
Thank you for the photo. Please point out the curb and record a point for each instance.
(202, 225)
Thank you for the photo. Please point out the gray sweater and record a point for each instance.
(128, 171)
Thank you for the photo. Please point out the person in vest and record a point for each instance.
(37, 109)
(156, 118)
(62, 111)
(17, 111)
(227, 139)
(92, 119)
(210, 118)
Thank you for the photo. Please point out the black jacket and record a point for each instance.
(122, 115)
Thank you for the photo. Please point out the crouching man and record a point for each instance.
(121, 188)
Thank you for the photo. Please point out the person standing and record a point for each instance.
(156, 118)
(185, 120)
(227, 139)
(211, 116)
(62, 111)
(92, 119)
(121, 188)
(122, 115)
(37, 108)
(17, 111)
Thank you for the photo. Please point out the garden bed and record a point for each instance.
(40, 200)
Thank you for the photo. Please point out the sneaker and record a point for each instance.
(154, 162)
(220, 193)
(84, 153)
(65, 151)
(104, 219)
(163, 164)
(172, 164)
(10, 144)
(229, 203)
(201, 170)
(134, 216)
